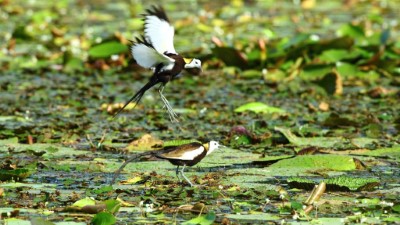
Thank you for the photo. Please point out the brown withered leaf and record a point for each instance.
(308, 151)
(146, 142)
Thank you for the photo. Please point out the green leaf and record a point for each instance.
(335, 55)
(41, 221)
(178, 142)
(351, 30)
(112, 205)
(107, 49)
(326, 162)
(103, 189)
(13, 140)
(249, 74)
(344, 183)
(297, 40)
(392, 219)
(74, 64)
(240, 140)
(203, 220)
(393, 152)
(253, 218)
(275, 75)
(348, 70)
(325, 142)
(315, 71)
(259, 107)
(396, 208)
(103, 218)
(296, 205)
(370, 201)
(84, 202)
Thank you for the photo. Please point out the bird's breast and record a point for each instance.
(168, 67)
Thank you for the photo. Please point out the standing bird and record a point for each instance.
(188, 155)
(155, 50)
(183, 155)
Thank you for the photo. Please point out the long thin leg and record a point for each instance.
(183, 175)
(177, 174)
(171, 113)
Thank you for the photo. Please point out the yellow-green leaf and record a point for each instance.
(259, 107)
(107, 49)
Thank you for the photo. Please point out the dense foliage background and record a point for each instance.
(300, 92)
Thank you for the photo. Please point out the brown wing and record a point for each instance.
(183, 152)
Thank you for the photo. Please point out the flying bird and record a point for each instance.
(155, 50)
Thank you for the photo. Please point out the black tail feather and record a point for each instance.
(128, 160)
(136, 98)
(136, 157)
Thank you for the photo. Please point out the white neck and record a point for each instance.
(212, 146)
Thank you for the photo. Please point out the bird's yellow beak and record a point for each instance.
(187, 60)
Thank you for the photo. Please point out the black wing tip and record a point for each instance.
(158, 11)
(142, 40)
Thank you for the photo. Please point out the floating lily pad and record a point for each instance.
(317, 162)
(207, 219)
(393, 152)
(14, 221)
(253, 218)
(84, 202)
(325, 142)
(344, 183)
(41, 221)
(259, 107)
(9, 141)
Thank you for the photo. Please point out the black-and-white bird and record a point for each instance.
(188, 155)
(155, 50)
(182, 155)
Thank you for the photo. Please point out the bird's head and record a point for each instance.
(212, 145)
(193, 65)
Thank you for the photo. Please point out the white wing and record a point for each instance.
(147, 56)
(158, 31)
(189, 155)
